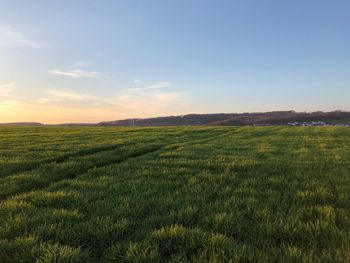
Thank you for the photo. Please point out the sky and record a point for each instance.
(91, 61)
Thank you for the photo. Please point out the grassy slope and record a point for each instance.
(202, 194)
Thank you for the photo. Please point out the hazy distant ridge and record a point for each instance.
(218, 119)
(236, 119)
(21, 124)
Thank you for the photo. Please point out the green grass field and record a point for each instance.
(189, 194)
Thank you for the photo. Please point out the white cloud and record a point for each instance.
(71, 99)
(6, 89)
(137, 101)
(151, 99)
(61, 105)
(76, 73)
(168, 97)
(136, 81)
(14, 38)
(158, 85)
(69, 95)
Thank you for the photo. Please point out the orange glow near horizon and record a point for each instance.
(17, 112)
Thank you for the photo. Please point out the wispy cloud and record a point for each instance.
(135, 98)
(169, 97)
(70, 98)
(76, 73)
(6, 89)
(70, 95)
(158, 85)
(136, 81)
(151, 99)
(12, 37)
(62, 105)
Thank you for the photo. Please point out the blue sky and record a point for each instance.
(88, 61)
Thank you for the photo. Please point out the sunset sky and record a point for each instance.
(90, 61)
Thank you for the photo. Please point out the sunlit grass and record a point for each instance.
(178, 194)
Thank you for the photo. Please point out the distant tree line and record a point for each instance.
(236, 119)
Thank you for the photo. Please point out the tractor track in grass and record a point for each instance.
(31, 166)
(60, 159)
(13, 169)
(71, 174)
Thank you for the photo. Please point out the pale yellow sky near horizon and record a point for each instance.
(65, 106)
(143, 101)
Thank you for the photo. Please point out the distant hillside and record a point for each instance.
(219, 119)
(285, 117)
(184, 120)
(21, 124)
(237, 119)
(73, 124)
